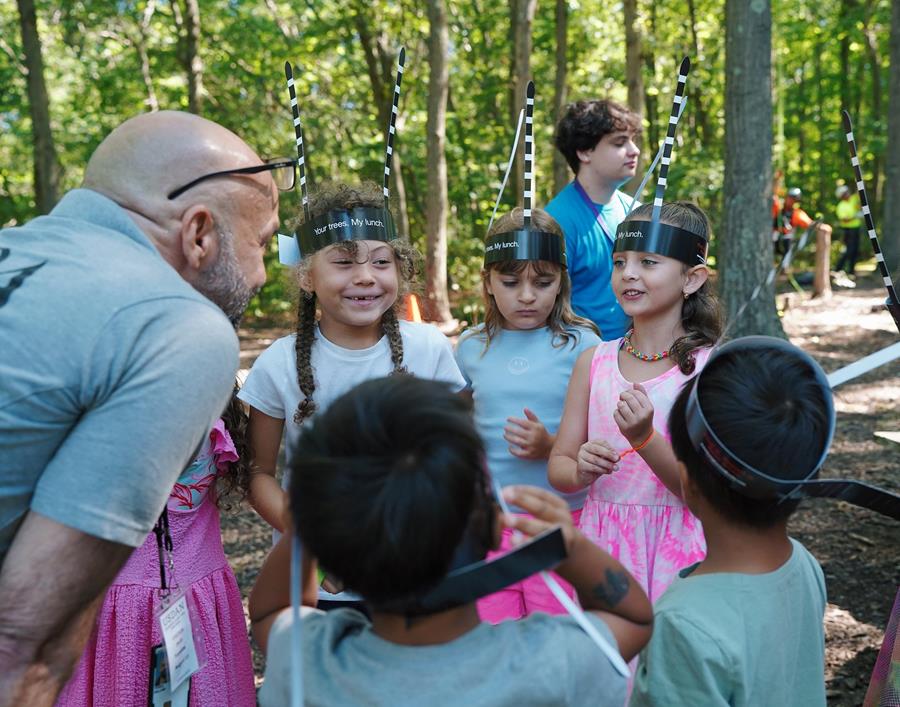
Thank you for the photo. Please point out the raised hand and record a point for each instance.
(634, 415)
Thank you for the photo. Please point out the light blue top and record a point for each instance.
(520, 369)
(589, 254)
(113, 370)
(540, 661)
(738, 639)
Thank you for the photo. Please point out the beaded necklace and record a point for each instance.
(629, 348)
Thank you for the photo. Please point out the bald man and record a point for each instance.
(115, 361)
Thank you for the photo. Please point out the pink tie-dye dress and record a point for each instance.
(630, 513)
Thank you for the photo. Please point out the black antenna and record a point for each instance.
(298, 133)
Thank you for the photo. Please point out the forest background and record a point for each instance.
(70, 72)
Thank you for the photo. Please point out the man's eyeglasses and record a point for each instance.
(282, 169)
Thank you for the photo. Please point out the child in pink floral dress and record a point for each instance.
(613, 436)
(114, 668)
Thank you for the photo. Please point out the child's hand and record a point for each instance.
(332, 585)
(634, 415)
(528, 438)
(546, 509)
(595, 459)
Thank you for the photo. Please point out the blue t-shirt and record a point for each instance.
(113, 370)
(520, 369)
(589, 253)
(738, 640)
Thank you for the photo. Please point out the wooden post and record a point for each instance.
(822, 277)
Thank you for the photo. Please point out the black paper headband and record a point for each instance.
(524, 243)
(662, 239)
(753, 483)
(338, 226)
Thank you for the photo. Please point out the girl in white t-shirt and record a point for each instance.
(352, 271)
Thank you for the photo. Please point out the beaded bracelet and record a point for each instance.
(640, 446)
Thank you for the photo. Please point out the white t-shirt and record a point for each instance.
(272, 388)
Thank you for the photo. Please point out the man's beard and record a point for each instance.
(224, 283)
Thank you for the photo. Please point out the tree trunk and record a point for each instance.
(380, 64)
(633, 78)
(701, 121)
(436, 206)
(651, 100)
(560, 167)
(746, 248)
(141, 46)
(522, 15)
(46, 162)
(890, 224)
(193, 64)
(874, 187)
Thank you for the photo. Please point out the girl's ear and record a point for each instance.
(695, 278)
(486, 279)
(306, 279)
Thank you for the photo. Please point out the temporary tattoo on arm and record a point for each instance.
(613, 590)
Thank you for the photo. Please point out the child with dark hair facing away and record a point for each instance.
(353, 286)
(116, 663)
(389, 492)
(744, 626)
(613, 436)
(530, 333)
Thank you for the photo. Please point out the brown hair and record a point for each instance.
(562, 317)
(233, 486)
(701, 316)
(333, 197)
(585, 123)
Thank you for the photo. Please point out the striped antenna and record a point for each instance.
(640, 189)
(529, 155)
(298, 134)
(392, 127)
(670, 139)
(509, 165)
(893, 303)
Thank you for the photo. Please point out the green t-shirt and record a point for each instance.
(847, 210)
(738, 639)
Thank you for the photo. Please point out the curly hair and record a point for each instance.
(701, 315)
(333, 197)
(585, 123)
(233, 486)
(562, 318)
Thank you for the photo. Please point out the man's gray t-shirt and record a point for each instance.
(113, 368)
(539, 661)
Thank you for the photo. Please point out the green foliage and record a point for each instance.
(93, 66)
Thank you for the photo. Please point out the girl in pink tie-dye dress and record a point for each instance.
(114, 668)
(614, 433)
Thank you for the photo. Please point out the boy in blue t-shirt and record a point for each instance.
(744, 626)
(597, 139)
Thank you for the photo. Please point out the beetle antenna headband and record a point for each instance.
(298, 135)
(893, 304)
(527, 242)
(392, 127)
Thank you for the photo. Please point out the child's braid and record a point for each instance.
(306, 331)
(391, 328)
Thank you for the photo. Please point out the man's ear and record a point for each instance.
(584, 156)
(695, 278)
(199, 238)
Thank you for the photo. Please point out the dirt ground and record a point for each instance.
(859, 550)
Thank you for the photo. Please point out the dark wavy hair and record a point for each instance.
(387, 483)
(701, 315)
(562, 317)
(766, 406)
(334, 197)
(233, 486)
(585, 123)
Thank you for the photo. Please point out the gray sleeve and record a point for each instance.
(592, 679)
(160, 374)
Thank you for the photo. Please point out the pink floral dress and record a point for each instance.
(630, 513)
(114, 668)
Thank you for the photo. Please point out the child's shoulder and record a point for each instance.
(471, 336)
(421, 332)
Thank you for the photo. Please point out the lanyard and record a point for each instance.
(164, 549)
(593, 207)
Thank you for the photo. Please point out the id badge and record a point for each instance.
(183, 648)
(161, 694)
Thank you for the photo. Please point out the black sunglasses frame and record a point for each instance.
(266, 167)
